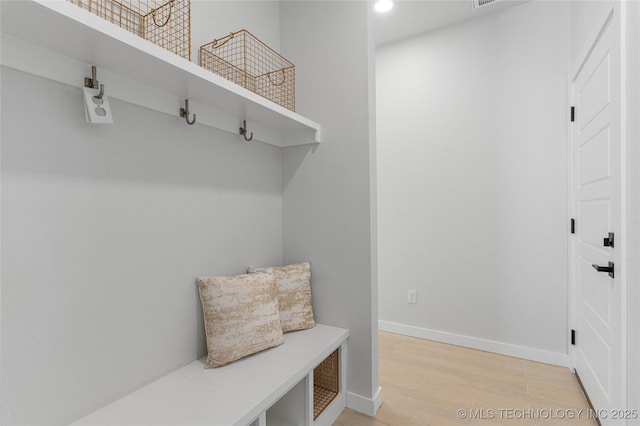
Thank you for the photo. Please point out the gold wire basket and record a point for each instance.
(245, 60)
(166, 23)
(326, 383)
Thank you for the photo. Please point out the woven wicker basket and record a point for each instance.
(245, 60)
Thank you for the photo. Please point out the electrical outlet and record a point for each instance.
(412, 296)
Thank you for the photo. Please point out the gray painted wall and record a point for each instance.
(105, 228)
(104, 231)
(472, 177)
(327, 194)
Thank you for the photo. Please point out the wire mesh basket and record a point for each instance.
(245, 60)
(326, 383)
(166, 23)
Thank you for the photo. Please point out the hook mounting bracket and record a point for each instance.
(93, 83)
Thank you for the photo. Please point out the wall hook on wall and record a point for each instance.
(93, 83)
(244, 132)
(184, 113)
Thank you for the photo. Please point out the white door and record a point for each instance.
(598, 308)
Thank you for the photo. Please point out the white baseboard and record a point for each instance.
(368, 406)
(377, 401)
(509, 349)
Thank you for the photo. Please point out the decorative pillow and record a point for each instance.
(293, 283)
(241, 316)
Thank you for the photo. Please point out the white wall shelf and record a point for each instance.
(58, 40)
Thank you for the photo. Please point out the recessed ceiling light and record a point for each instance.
(383, 6)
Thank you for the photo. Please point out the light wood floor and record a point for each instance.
(427, 383)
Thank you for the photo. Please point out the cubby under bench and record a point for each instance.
(274, 387)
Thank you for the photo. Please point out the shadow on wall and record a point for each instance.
(295, 157)
(141, 146)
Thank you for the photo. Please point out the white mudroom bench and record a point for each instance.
(273, 387)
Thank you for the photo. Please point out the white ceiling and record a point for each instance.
(412, 17)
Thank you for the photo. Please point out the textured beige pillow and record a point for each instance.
(294, 295)
(241, 316)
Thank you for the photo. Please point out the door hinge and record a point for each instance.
(573, 114)
(573, 337)
(608, 242)
(573, 226)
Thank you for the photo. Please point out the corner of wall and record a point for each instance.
(327, 189)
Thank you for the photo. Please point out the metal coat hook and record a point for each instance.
(244, 133)
(93, 83)
(184, 113)
(101, 93)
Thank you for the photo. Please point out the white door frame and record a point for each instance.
(633, 203)
(618, 7)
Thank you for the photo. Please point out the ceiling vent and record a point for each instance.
(477, 4)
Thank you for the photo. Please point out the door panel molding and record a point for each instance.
(598, 202)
